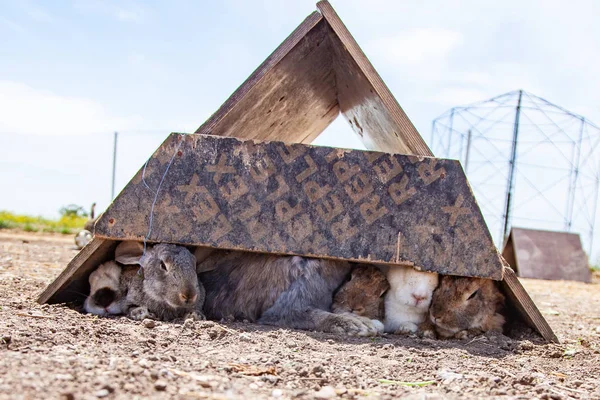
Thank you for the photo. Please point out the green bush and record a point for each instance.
(6, 224)
(29, 228)
(70, 222)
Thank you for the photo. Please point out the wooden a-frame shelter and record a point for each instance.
(316, 74)
(541, 254)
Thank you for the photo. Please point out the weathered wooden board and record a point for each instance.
(364, 99)
(314, 201)
(72, 283)
(547, 255)
(519, 300)
(291, 96)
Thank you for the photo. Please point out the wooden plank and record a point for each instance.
(306, 200)
(365, 100)
(291, 96)
(549, 255)
(72, 283)
(520, 300)
(509, 255)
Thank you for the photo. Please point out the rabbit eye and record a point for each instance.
(473, 294)
(163, 265)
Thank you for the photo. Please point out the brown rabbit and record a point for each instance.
(463, 307)
(363, 293)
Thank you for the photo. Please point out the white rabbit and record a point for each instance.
(105, 290)
(408, 299)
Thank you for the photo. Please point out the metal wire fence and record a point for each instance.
(530, 163)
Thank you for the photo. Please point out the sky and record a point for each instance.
(72, 72)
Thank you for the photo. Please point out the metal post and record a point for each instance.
(468, 150)
(512, 166)
(594, 217)
(573, 181)
(451, 132)
(431, 144)
(114, 172)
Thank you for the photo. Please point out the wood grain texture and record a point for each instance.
(550, 255)
(365, 100)
(72, 283)
(290, 97)
(519, 299)
(315, 201)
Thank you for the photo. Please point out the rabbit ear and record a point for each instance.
(129, 252)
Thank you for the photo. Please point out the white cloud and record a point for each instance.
(28, 110)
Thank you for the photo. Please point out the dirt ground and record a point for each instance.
(57, 352)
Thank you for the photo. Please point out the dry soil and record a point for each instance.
(57, 352)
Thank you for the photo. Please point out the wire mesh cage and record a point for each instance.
(530, 163)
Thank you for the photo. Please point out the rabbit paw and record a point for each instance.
(195, 315)
(428, 334)
(467, 334)
(406, 328)
(353, 325)
(140, 313)
(378, 325)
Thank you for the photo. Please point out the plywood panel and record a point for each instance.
(72, 283)
(519, 299)
(306, 200)
(290, 97)
(365, 100)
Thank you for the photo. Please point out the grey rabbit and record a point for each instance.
(166, 286)
(287, 291)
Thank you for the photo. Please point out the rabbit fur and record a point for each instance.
(363, 294)
(105, 290)
(288, 291)
(463, 307)
(408, 299)
(166, 286)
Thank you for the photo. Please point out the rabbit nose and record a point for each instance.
(188, 298)
(418, 298)
(358, 310)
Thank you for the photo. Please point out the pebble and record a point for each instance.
(326, 392)
(149, 323)
(277, 393)
(189, 323)
(245, 337)
(102, 393)
(64, 377)
(160, 385)
(526, 345)
(6, 339)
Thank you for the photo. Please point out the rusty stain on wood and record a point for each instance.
(352, 205)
